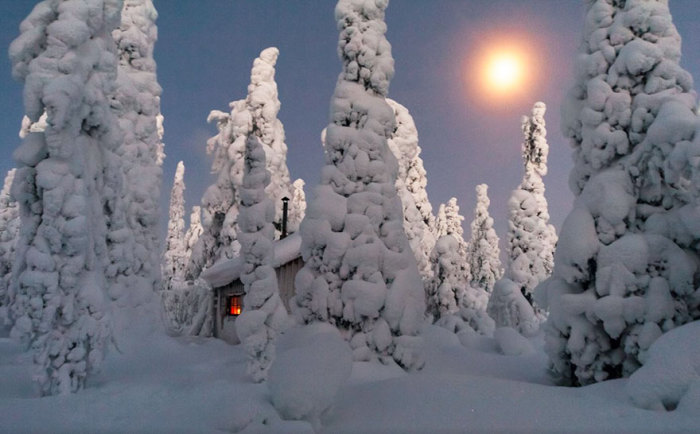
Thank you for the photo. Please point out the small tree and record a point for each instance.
(194, 231)
(263, 315)
(175, 250)
(531, 239)
(452, 301)
(483, 252)
(9, 230)
(58, 299)
(360, 273)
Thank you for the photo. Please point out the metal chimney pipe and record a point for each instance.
(285, 210)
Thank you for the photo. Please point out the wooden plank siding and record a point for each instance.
(285, 280)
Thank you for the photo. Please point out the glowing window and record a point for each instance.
(235, 305)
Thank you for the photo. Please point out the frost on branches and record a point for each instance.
(531, 239)
(360, 273)
(257, 114)
(452, 301)
(410, 183)
(264, 314)
(194, 231)
(137, 105)
(9, 229)
(483, 252)
(175, 250)
(626, 261)
(58, 299)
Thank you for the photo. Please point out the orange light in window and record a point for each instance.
(235, 307)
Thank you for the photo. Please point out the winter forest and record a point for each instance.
(510, 242)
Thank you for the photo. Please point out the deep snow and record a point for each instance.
(166, 384)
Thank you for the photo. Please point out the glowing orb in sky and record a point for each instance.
(504, 71)
(500, 71)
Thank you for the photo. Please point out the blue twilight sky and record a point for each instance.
(206, 48)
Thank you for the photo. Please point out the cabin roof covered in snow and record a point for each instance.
(226, 271)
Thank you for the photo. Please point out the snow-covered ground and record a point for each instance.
(166, 384)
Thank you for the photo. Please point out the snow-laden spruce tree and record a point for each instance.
(220, 204)
(410, 183)
(297, 206)
(194, 231)
(451, 272)
(137, 105)
(264, 314)
(626, 262)
(483, 252)
(66, 58)
(9, 229)
(452, 301)
(359, 272)
(531, 239)
(175, 252)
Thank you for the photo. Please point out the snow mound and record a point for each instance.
(509, 308)
(670, 377)
(512, 343)
(311, 365)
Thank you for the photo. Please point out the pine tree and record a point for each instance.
(264, 314)
(62, 254)
(625, 264)
(175, 250)
(531, 239)
(452, 300)
(137, 104)
(9, 229)
(297, 206)
(483, 252)
(194, 231)
(257, 114)
(451, 272)
(359, 272)
(410, 183)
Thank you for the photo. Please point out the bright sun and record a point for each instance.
(503, 72)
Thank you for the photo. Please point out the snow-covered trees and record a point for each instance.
(137, 105)
(626, 261)
(194, 230)
(449, 257)
(257, 114)
(483, 252)
(263, 315)
(531, 239)
(175, 252)
(360, 273)
(410, 183)
(452, 300)
(297, 206)
(66, 58)
(9, 229)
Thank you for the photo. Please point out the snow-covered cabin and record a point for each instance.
(225, 279)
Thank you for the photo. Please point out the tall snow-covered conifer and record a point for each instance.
(264, 314)
(175, 250)
(257, 114)
(137, 104)
(410, 183)
(626, 263)
(531, 239)
(360, 273)
(483, 252)
(9, 229)
(58, 299)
